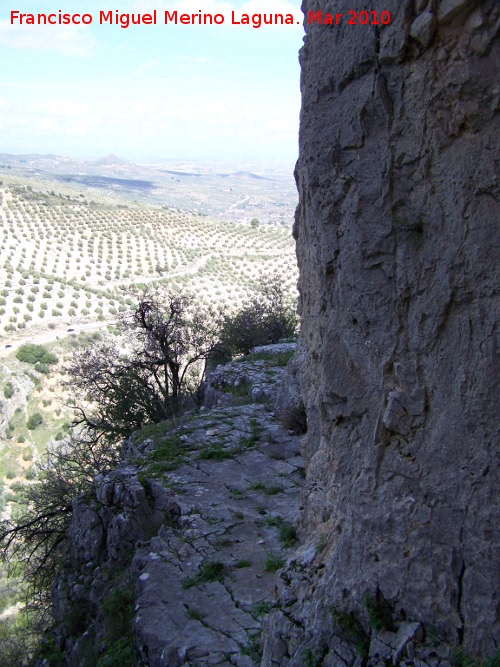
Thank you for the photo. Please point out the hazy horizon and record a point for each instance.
(152, 159)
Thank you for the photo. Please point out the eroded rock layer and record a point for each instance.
(397, 243)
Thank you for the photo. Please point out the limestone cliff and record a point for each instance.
(397, 244)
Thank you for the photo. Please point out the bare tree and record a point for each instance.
(165, 343)
(173, 338)
(37, 536)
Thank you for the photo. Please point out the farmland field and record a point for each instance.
(226, 191)
(67, 260)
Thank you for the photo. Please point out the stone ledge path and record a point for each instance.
(226, 508)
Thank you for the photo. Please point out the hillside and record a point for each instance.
(67, 261)
(223, 190)
(182, 540)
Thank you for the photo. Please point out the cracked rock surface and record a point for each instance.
(197, 538)
(224, 509)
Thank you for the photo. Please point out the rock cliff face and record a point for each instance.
(396, 229)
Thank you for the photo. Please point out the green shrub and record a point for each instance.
(17, 487)
(210, 571)
(118, 610)
(276, 521)
(195, 614)
(273, 562)
(34, 421)
(79, 617)
(253, 649)
(8, 390)
(257, 486)
(379, 611)
(266, 318)
(33, 354)
(287, 534)
(242, 389)
(262, 607)
(273, 490)
(35, 379)
(351, 630)
(119, 654)
(215, 453)
(168, 452)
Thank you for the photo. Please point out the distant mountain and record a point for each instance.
(9, 157)
(249, 174)
(234, 191)
(107, 182)
(179, 173)
(108, 161)
(237, 174)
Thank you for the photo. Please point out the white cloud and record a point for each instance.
(147, 109)
(192, 60)
(61, 108)
(188, 89)
(66, 40)
(146, 68)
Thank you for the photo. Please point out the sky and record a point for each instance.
(153, 91)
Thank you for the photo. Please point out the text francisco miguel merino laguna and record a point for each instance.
(126, 20)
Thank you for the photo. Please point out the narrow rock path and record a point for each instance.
(205, 583)
(184, 538)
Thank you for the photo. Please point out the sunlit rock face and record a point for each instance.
(397, 243)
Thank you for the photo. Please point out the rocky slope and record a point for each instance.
(172, 559)
(398, 256)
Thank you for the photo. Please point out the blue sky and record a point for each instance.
(150, 92)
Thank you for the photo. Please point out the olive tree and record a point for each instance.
(151, 374)
(268, 316)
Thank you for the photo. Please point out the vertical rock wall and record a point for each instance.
(397, 243)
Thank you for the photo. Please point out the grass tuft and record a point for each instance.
(273, 562)
(210, 571)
